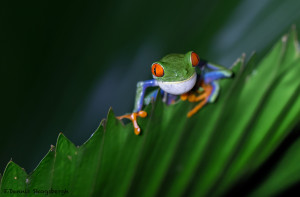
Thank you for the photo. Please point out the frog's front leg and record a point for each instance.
(139, 101)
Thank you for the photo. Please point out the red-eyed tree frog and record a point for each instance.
(186, 75)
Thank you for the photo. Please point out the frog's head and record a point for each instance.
(175, 73)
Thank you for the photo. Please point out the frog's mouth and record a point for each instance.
(178, 87)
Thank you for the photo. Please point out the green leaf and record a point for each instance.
(220, 147)
(14, 180)
(285, 174)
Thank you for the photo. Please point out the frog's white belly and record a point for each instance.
(178, 87)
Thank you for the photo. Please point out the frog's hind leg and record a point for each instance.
(209, 85)
(215, 75)
(214, 92)
(216, 67)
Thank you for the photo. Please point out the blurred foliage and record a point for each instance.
(224, 145)
(64, 63)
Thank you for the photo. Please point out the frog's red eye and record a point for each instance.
(157, 70)
(195, 59)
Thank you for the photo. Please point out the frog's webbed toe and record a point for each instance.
(202, 96)
(133, 117)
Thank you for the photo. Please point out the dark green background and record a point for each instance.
(64, 63)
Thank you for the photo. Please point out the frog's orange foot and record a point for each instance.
(203, 98)
(192, 96)
(133, 118)
(184, 96)
(196, 108)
